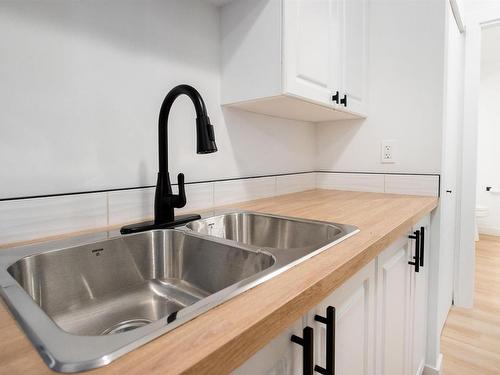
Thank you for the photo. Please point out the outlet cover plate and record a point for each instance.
(387, 151)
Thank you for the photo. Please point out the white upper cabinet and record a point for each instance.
(354, 55)
(298, 59)
(308, 53)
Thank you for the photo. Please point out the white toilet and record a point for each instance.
(481, 211)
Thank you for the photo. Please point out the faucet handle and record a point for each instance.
(179, 201)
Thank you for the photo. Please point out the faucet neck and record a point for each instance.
(201, 113)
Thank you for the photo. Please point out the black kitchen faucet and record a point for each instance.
(165, 201)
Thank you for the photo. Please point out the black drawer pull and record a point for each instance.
(344, 100)
(329, 320)
(422, 245)
(416, 263)
(307, 343)
(335, 98)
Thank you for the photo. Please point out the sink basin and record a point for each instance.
(269, 231)
(85, 301)
(124, 283)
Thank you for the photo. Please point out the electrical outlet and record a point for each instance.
(387, 151)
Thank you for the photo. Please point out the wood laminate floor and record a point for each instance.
(470, 342)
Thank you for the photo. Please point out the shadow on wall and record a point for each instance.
(273, 144)
(334, 140)
(83, 82)
(117, 22)
(237, 28)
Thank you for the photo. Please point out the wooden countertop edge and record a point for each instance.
(221, 339)
(234, 353)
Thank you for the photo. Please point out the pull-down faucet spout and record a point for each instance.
(165, 200)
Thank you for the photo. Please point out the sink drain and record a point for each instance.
(125, 326)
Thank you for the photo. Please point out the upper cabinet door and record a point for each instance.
(354, 55)
(289, 58)
(307, 51)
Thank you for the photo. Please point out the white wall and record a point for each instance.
(444, 223)
(481, 10)
(407, 100)
(81, 86)
(488, 172)
(405, 62)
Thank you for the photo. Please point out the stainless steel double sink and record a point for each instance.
(86, 301)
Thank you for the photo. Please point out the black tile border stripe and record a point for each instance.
(384, 173)
(212, 181)
(148, 186)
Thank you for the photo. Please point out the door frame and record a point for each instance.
(464, 282)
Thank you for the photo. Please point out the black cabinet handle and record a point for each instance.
(416, 263)
(335, 98)
(422, 245)
(329, 320)
(344, 100)
(307, 343)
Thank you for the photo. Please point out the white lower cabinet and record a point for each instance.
(402, 304)
(279, 357)
(393, 309)
(354, 304)
(419, 299)
(373, 324)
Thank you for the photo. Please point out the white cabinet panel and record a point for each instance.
(402, 305)
(312, 41)
(354, 55)
(393, 299)
(419, 309)
(353, 334)
(354, 325)
(276, 53)
(307, 53)
(280, 357)
(380, 320)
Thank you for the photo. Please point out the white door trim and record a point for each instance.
(465, 257)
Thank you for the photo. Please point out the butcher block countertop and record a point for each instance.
(221, 339)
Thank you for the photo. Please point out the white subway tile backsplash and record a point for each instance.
(130, 205)
(351, 181)
(226, 192)
(26, 219)
(199, 197)
(295, 182)
(412, 185)
(138, 204)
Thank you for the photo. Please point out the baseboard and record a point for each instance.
(429, 370)
(491, 231)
